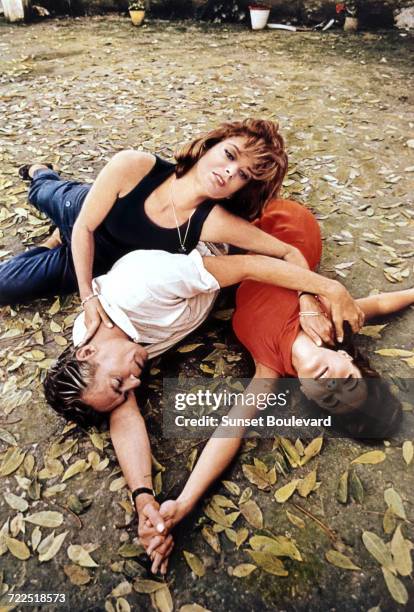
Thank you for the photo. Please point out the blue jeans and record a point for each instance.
(42, 272)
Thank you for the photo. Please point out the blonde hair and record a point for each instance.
(264, 142)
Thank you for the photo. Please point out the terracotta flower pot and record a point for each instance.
(137, 17)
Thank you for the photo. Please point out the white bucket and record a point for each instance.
(259, 18)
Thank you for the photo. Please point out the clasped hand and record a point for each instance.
(154, 526)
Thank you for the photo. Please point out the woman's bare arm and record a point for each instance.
(116, 179)
(386, 303)
(222, 226)
(216, 456)
(232, 269)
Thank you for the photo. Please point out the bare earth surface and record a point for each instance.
(75, 91)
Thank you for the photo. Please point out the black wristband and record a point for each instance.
(141, 490)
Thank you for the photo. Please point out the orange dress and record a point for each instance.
(266, 319)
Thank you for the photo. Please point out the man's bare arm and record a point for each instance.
(132, 447)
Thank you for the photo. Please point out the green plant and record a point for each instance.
(137, 5)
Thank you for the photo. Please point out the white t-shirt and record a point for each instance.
(155, 297)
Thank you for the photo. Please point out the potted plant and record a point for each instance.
(137, 11)
(259, 14)
(348, 9)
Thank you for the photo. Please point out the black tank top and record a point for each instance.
(127, 226)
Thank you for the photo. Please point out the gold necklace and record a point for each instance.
(182, 242)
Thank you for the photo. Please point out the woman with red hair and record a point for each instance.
(139, 201)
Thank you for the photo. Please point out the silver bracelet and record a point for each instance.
(310, 313)
(88, 297)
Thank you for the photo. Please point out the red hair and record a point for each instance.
(269, 167)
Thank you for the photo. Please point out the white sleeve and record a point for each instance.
(181, 277)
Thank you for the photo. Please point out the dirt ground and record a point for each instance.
(75, 91)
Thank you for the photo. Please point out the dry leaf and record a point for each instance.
(12, 459)
(77, 575)
(389, 522)
(36, 537)
(122, 605)
(246, 495)
(280, 546)
(54, 547)
(15, 502)
(191, 459)
(256, 476)
(378, 549)
(188, 348)
(408, 451)
(117, 484)
(285, 492)
(54, 309)
(401, 553)
(394, 352)
(162, 599)
(342, 490)
(142, 585)
(46, 518)
(17, 548)
(76, 468)
(395, 586)
(340, 560)
(311, 450)
(356, 488)
(217, 514)
(223, 502)
(7, 437)
(123, 588)
(52, 491)
(242, 535)
(97, 441)
(58, 449)
(53, 468)
(307, 484)
(243, 570)
(295, 520)
(373, 331)
(394, 502)
(129, 550)
(231, 487)
(231, 534)
(252, 513)
(372, 457)
(268, 562)
(290, 452)
(78, 554)
(195, 563)
(193, 608)
(211, 538)
(46, 543)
